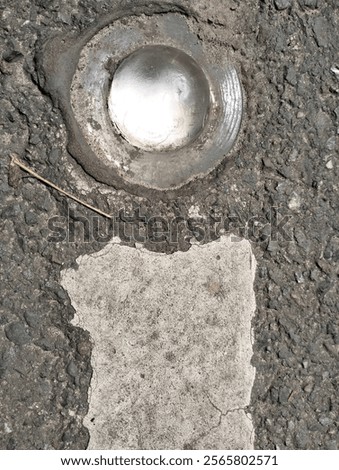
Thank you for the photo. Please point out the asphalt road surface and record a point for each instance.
(276, 192)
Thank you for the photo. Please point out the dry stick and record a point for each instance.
(49, 183)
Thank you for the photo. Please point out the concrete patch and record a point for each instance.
(172, 345)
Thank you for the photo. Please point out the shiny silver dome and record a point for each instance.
(159, 98)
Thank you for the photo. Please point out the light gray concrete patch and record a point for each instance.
(172, 345)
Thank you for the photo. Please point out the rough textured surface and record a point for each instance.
(172, 345)
(287, 158)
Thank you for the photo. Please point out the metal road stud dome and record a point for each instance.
(159, 98)
(148, 106)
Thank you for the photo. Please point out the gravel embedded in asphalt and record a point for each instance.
(286, 158)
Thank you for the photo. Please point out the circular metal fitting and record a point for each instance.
(148, 106)
(159, 98)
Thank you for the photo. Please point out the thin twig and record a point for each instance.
(52, 185)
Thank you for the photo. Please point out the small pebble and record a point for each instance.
(331, 143)
(308, 388)
(17, 333)
(311, 3)
(325, 421)
(31, 218)
(282, 4)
